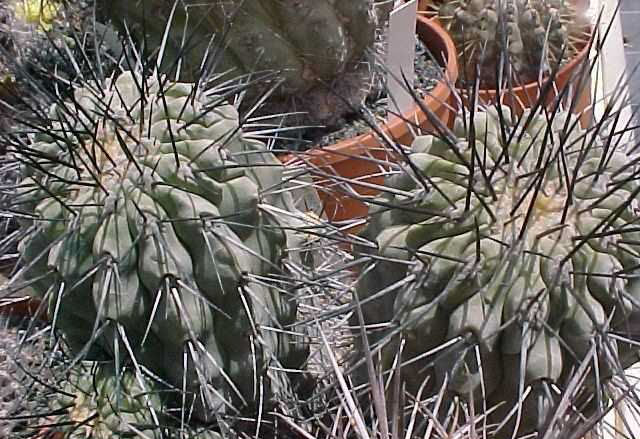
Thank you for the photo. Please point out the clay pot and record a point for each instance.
(347, 172)
(527, 95)
(26, 307)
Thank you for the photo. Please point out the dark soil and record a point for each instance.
(427, 74)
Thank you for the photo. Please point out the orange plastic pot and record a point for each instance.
(348, 172)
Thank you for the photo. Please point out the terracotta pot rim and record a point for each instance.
(564, 71)
(435, 98)
(25, 306)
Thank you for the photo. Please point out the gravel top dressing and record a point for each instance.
(427, 74)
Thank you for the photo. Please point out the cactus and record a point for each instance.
(509, 249)
(317, 46)
(26, 27)
(97, 400)
(25, 369)
(100, 402)
(535, 36)
(151, 229)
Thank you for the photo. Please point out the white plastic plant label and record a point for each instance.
(401, 52)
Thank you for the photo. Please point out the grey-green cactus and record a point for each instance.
(509, 250)
(318, 46)
(528, 37)
(151, 230)
(100, 402)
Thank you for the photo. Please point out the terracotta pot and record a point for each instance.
(22, 307)
(522, 97)
(349, 170)
(526, 96)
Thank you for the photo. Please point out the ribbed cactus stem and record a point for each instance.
(518, 247)
(149, 230)
(528, 38)
(314, 45)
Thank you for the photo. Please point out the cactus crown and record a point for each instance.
(154, 234)
(533, 36)
(515, 244)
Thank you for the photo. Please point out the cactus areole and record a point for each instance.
(101, 402)
(528, 38)
(149, 236)
(517, 242)
(318, 47)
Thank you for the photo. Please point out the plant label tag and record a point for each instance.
(401, 52)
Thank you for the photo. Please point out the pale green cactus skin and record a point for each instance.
(311, 43)
(539, 35)
(102, 403)
(527, 300)
(148, 221)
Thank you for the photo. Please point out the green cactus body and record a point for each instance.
(520, 251)
(102, 403)
(310, 43)
(147, 220)
(537, 36)
(98, 401)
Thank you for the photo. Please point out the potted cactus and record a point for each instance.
(357, 162)
(510, 47)
(322, 50)
(151, 232)
(501, 268)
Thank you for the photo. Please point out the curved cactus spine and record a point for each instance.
(315, 46)
(505, 259)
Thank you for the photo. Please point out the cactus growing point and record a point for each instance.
(514, 242)
(150, 231)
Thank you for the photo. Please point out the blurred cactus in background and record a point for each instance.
(526, 37)
(318, 47)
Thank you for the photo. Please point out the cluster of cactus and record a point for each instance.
(100, 401)
(501, 256)
(152, 233)
(528, 37)
(507, 249)
(317, 47)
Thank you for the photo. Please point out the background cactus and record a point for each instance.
(319, 47)
(32, 33)
(152, 229)
(26, 367)
(526, 37)
(509, 250)
(101, 402)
